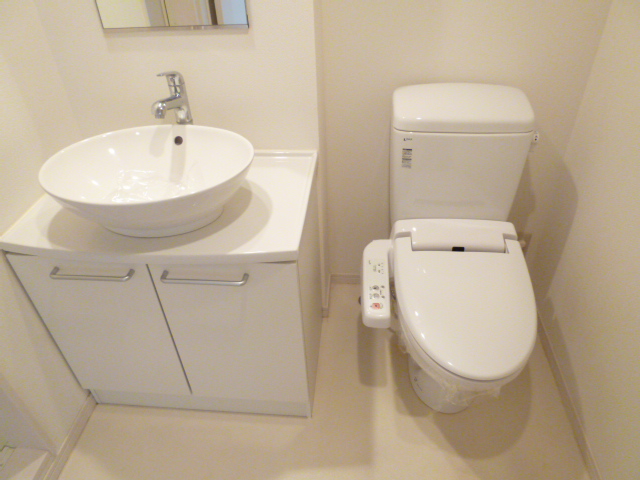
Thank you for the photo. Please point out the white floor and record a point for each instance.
(367, 424)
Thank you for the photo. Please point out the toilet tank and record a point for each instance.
(457, 150)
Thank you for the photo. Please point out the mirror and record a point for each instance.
(172, 13)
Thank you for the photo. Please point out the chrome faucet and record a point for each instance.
(178, 99)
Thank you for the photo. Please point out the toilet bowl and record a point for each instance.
(464, 305)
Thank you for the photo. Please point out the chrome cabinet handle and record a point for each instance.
(99, 278)
(164, 278)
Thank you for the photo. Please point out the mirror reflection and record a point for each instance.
(171, 13)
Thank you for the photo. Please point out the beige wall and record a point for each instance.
(35, 381)
(371, 48)
(592, 307)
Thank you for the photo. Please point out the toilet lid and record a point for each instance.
(472, 312)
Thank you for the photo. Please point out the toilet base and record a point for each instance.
(430, 391)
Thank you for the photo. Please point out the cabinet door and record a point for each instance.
(241, 341)
(107, 322)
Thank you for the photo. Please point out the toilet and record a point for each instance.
(451, 281)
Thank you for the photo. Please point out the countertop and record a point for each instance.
(261, 223)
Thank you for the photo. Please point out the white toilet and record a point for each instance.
(463, 306)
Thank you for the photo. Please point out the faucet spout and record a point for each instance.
(178, 100)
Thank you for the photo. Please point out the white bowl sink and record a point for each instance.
(150, 181)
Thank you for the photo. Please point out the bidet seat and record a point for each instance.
(470, 309)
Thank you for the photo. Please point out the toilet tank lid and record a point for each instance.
(461, 108)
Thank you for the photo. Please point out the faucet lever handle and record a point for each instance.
(174, 79)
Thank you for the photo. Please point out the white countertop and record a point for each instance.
(262, 222)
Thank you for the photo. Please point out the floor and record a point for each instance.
(367, 424)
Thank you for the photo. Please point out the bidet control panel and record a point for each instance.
(376, 297)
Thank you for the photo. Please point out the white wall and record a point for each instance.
(371, 48)
(592, 307)
(259, 82)
(35, 381)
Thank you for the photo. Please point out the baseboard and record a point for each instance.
(70, 442)
(299, 408)
(326, 301)
(337, 279)
(570, 408)
(344, 278)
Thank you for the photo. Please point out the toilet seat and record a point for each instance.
(473, 311)
(444, 376)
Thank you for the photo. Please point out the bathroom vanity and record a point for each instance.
(227, 317)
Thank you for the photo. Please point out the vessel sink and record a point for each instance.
(152, 181)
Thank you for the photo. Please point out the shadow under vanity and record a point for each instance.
(227, 317)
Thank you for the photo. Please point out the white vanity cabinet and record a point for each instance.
(249, 331)
(107, 322)
(224, 318)
(239, 333)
